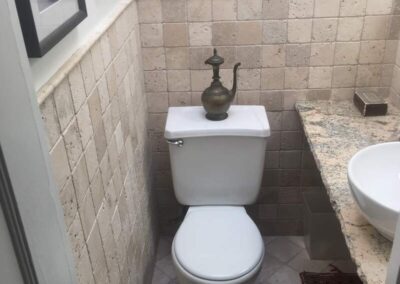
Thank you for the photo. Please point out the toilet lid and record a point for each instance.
(218, 242)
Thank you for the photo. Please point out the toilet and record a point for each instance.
(217, 168)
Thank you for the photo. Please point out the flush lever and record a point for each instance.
(177, 142)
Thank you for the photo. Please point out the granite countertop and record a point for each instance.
(335, 132)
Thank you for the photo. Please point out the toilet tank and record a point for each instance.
(217, 162)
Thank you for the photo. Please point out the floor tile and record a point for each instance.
(344, 265)
(283, 249)
(269, 267)
(297, 240)
(268, 239)
(164, 247)
(285, 275)
(302, 262)
(167, 266)
(160, 277)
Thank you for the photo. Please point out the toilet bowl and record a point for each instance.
(217, 168)
(217, 244)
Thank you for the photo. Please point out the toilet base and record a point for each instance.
(184, 277)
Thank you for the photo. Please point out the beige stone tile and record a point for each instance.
(342, 94)
(87, 213)
(177, 57)
(249, 97)
(228, 53)
(379, 7)
(178, 80)
(198, 55)
(121, 67)
(174, 11)
(353, 7)
(273, 56)
(96, 186)
(344, 76)
(248, 79)
(95, 109)
(224, 10)
(68, 202)
(396, 79)
(249, 56)
(84, 124)
(200, 79)
(153, 58)
(78, 93)
(179, 99)
(103, 94)
(346, 53)
(157, 102)
(97, 56)
(299, 30)
(320, 77)
(350, 29)
(375, 27)
(394, 30)
(100, 140)
(249, 9)
(272, 100)
(372, 51)
(199, 10)
(322, 54)
(151, 35)
(296, 77)
(49, 116)
(155, 81)
(369, 75)
(64, 104)
(249, 32)
(105, 49)
(274, 32)
(108, 124)
(326, 8)
(224, 33)
(272, 78)
(76, 238)
(111, 80)
(84, 268)
(97, 257)
(59, 161)
(301, 8)
(200, 34)
(73, 143)
(390, 51)
(324, 29)
(175, 34)
(275, 9)
(91, 159)
(387, 75)
(149, 11)
(80, 179)
(89, 78)
(298, 54)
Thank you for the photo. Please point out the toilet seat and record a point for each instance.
(218, 243)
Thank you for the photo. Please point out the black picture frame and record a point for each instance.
(35, 47)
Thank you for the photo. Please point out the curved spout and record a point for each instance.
(233, 91)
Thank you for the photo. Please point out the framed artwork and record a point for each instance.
(45, 22)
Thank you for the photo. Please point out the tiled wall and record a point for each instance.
(96, 121)
(290, 50)
(395, 87)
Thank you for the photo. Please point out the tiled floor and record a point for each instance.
(285, 258)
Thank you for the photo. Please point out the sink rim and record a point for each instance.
(354, 181)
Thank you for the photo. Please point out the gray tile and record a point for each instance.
(282, 249)
(269, 267)
(297, 240)
(160, 277)
(285, 275)
(167, 266)
(302, 262)
(164, 247)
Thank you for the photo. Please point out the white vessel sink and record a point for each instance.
(374, 178)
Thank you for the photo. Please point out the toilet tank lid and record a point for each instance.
(184, 122)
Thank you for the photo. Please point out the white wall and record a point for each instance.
(43, 68)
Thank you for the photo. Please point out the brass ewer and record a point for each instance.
(217, 99)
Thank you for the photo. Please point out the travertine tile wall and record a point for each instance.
(96, 121)
(395, 87)
(290, 50)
